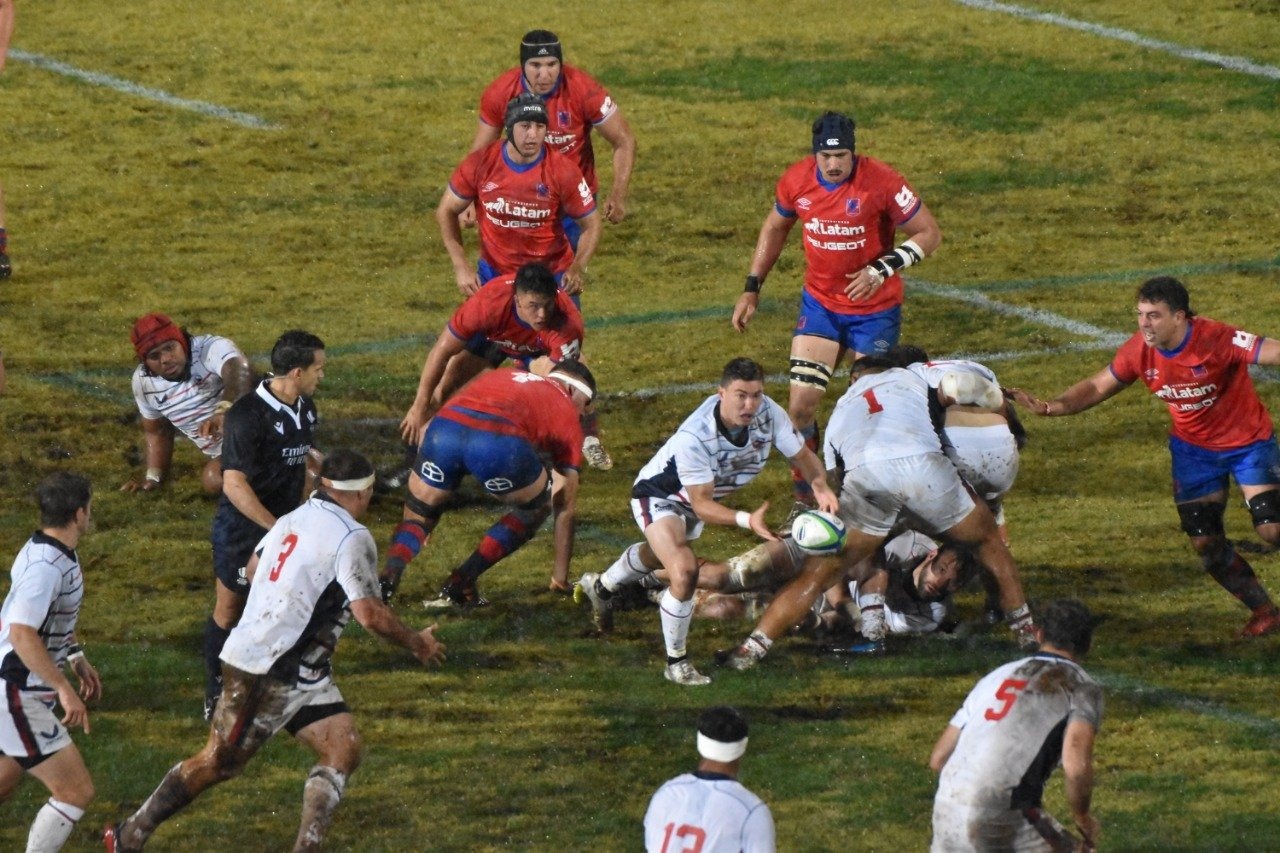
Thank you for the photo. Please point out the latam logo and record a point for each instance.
(562, 142)
(827, 228)
(1174, 392)
(510, 208)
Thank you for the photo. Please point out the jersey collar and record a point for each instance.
(294, 412)
(1170, 353)
(827, 185)
(725, 431)
(42, 538)
(522, 167)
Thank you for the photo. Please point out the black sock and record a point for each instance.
(215, 637)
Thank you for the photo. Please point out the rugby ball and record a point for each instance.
(818, 532)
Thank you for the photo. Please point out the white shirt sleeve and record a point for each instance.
(357, 564)
(758, 832)
(218, 351)
(694, 466)
(148, 411)
(33, 594)
(786, 437)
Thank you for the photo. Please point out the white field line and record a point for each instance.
(130, 88)
(1231, 63)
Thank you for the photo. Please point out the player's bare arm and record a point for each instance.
(773, 236)
(564, 508)
(1085, 394)
(380, 619)
(447, 212)
(415, 420)
(618, 133)
(157, 435)
(1269, 351)
(85, 672)
(575, 277)
(235, 485)
(237, 380)
(943, 748)
(1077, 770)
(923, 232)
(35, 657)
(815, 474)
(711, 511)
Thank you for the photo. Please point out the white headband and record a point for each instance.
(718, 750)
(351, 485)
(574, 382)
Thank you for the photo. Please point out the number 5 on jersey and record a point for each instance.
(1007, 693)
(286, 548)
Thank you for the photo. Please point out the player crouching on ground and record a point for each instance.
(183, 383)
(312, 571)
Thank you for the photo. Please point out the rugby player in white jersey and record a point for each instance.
(881, 436)
(314, 569)
(719, 448)
(37, 640)
(1013, 729)
(709, 810)
(183, 384)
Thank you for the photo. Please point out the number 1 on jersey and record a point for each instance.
(873, 405)
(286, 548)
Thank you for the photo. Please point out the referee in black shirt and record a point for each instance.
(265, 445)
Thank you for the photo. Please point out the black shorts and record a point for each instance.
(233, 539)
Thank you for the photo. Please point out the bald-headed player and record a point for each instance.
(183, 383)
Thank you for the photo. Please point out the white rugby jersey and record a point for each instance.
(883, 415)
(46, 591)
(933, 371)
(1011, 731)
(189, 402)
(708, 812)
(312, 563)
(702, 452)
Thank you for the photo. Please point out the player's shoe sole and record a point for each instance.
(597, 456)
(601, 610)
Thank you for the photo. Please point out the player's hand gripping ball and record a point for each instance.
(818, 532)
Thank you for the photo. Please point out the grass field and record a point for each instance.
(1064, 165)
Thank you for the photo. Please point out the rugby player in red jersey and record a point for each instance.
(576, 105)
(1220, 428)
(522, 189)
(850, 205)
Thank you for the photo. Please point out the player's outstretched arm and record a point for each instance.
(446, 347)
(1269, 351)
(1085, 394)
(157, 434)
(564, 507)
(711, 511)
(382, 620)
(1077, 770)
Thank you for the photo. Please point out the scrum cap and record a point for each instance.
(524, 107)
(152, 330)
(832, 131)
(538, 44)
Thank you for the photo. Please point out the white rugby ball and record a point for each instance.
(818, 532)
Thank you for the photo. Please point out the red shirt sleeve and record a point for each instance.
(575, 194)
(1127, 365)
(463, 179)
(564, 341)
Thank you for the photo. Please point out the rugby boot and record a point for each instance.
(597, 456)
(682, 672)
(1265, 620)
(601, 607)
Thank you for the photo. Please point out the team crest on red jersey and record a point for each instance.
(542, 191)
(562, 116)
(1199, 371)
(851, 206)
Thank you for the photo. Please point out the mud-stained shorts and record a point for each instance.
(959, 828)
(925, 490)
(987, 458)
(30, 730)
(254, 707)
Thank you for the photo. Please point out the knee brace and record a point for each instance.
(814, 374)
(535, 511)
(1202, 519)
(420, 507)
(1265, 508)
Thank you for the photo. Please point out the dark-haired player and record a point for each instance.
(1013, 729)
(521, 189)
(37, 640)
(1220, 428)
(709, 810)
(850, 206)
(576, 105)
(184, 383)
(497, 429)
(718, 449)
(314, 570)
(266, 441)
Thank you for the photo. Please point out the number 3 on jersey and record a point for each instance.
(1007, 693)
(286, 548)
(689, 837)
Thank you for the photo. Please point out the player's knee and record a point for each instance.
(1201, 520)
(211, 478)
(1264, 508)
(422, 509)
(76, 790)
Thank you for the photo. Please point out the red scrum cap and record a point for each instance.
(152, 330)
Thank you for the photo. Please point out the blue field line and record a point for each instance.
(118, 84)
(1231, 63)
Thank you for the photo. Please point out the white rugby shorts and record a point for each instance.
(648, 510)
(987, 458)
(30, 730)
(925, 487)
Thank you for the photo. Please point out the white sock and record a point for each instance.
(676, 616)
(627, 569)
(320, 797)
(52, 826)
(872, 612)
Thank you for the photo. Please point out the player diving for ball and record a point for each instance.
(718, 449)
(881, 435)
